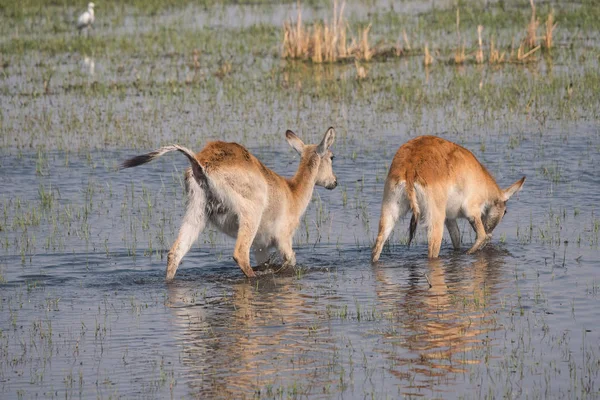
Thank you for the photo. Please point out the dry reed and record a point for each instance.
(406, 42)
(317, 53)
(459, 54)
(325, 42)
(479, 55)
(428, 59)
(296, 39)
(328, 42)
(365, 51)
(522, 55)
(531, 38)
(495, 56)
(550, 25)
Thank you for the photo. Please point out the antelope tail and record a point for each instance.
(414, 206)
(146, 158)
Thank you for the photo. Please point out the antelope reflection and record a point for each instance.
(443, 327)
(247, 339)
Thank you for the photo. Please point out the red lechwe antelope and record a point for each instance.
(440, 181)
(230, 188)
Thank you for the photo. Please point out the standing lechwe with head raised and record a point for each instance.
(230, 188)
(440, 181)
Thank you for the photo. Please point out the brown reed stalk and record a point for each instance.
(531, 38)
(328, 43)
(459, 55)
(406, 42)
(520, 51)
(295, 38)
(340, 31)
(317, 48)
(479, 55)
(522, 55)
(342, 48)
(365, 51)
(550, 25)
(428, 60)
(286, 41)
(495, 56)
(299, 33)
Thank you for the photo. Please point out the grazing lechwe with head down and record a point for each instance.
(230, 188)
(440, 181)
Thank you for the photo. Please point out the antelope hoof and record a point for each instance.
(249, 272)
(477, 246)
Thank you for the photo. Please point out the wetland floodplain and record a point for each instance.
(84, 309)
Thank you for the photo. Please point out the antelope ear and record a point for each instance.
(514, 188)
(294, 141)
(326, 142)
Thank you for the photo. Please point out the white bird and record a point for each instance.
(86, 19)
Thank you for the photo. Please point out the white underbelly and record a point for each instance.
(454, 204)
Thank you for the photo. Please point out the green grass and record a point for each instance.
(161, 41)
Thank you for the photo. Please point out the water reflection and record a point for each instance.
(445, 327)
(89, 65)
(285, 334)
(242, 337)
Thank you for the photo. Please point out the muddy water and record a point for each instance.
(85, 312)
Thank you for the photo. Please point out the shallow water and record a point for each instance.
(85, 311)
(83, 317)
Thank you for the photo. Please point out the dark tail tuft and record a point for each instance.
(138, 160)
(413, 227)
(146, 158)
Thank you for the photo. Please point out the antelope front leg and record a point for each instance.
(482, 237)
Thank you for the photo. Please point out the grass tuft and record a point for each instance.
(550, 25)
(531, 38)
(323, 42)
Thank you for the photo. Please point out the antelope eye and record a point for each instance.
(504, 213)
(332, 157)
